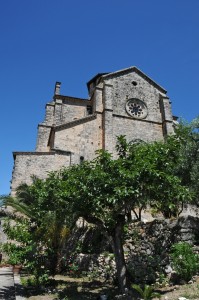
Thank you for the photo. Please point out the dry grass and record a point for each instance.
(82, 289)
(74, 289)
(189, 291)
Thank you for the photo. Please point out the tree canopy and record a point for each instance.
(104, 191)
(188, 165)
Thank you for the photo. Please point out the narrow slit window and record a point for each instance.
(89, 109)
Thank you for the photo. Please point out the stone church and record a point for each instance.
(126, 102)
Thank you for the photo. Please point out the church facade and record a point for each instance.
(126, 102)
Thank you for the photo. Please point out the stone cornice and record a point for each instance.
(141, 120)
(15, 153)
(38, 153)
(44, 125)
(60, 151)
(71, 99)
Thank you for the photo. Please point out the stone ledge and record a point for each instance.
(75, 122)
(33, 153)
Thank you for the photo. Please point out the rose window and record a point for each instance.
(136, 108)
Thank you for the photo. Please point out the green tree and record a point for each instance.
(188, 165)
(105, 190)
(44, 221)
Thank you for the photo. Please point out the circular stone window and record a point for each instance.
(136, 108)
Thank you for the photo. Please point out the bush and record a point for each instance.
(184, 261)
(24, 250)
(147, 293)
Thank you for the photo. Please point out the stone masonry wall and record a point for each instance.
(136, 129)
(69, 126)
(59, 112)
(37, 164)
(82, 139)
(116, 121)
(43, 134)
(123, 89)
(146, 248)
(73, 110)
(49, 116)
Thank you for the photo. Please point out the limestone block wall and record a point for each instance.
(68, 109)
(43, 133)
(61, 111)
(82, 138)
(117, 90)
(49, 116)
(73, 110)
(64, 110)
(146, 248)
(97, 99)
(107, 98)
(58, 112)
(124, 89)
(80, 127)
(167, 118)
(136, 129)
(37, 164)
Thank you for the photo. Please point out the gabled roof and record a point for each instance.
(126, 71)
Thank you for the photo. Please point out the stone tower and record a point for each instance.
(126, 102)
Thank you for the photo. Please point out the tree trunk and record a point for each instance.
(119, 254)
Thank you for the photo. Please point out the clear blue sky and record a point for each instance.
(43, 41)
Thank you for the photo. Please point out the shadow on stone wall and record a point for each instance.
(146, 247)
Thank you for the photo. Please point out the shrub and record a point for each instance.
(184, 261)
(147, 293)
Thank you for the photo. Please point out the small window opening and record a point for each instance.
(81, 159)
(89, 109)
(134, 83)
